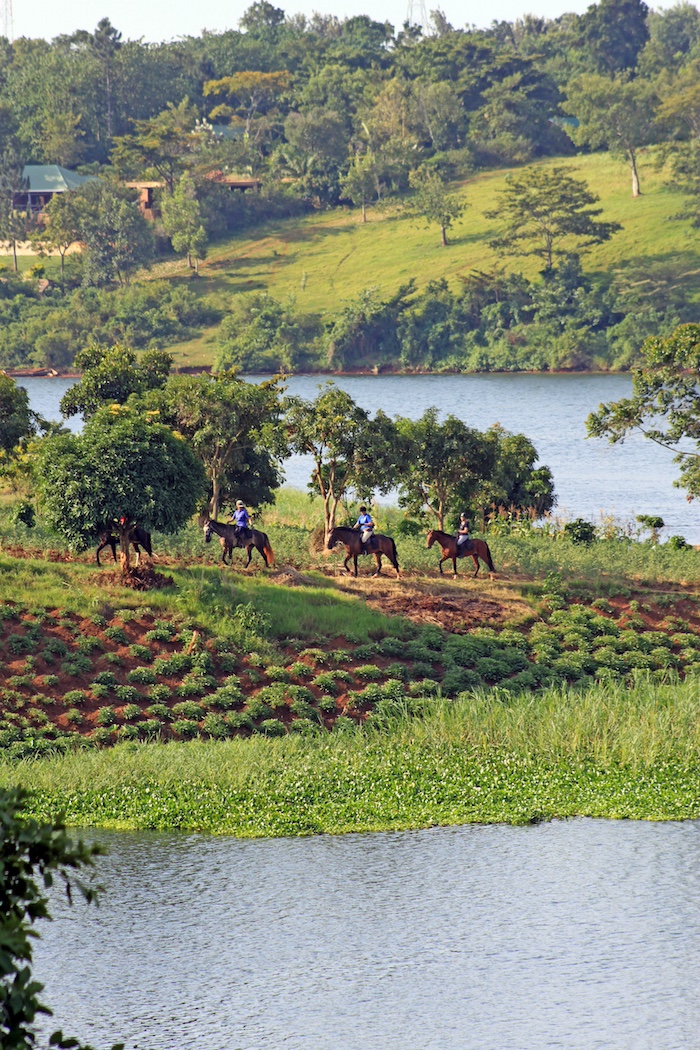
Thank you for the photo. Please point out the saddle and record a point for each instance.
(465, 548)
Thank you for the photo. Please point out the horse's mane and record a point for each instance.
(343, 528)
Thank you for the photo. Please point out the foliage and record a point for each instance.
(432, 202)
(17, 419)
(548, 213)
(117, 238)
(122, 468)
(665, 403)
(32, 854)
(110, 375)
(182, 221)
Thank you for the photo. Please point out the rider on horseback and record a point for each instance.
(365, 523)
(241, 521)
(464, 541)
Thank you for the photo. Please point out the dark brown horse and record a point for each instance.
(229, 537)
(138, 538)
(352, 541)
(450, 551)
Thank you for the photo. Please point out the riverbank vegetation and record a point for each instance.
(360, 147)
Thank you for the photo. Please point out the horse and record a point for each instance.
(138, 538)
(450, 551)
(352, 541)
(230, 538)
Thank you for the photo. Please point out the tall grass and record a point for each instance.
(605, 752)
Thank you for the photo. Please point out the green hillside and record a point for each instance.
(328, 257)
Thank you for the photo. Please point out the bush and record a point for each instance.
(271, 727)
(116, 634)
(126, 694)
(159, 692)
(74, 697)
(188, 709)
(105, 678)
(131, 712)
(678, 543)
(140, 652)
(580, 531)
(216, 727)
(185, 728)
(142, 675)
(106, 716)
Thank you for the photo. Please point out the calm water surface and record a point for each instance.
(581, 935)
(591, 477)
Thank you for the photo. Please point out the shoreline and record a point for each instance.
(52, 373)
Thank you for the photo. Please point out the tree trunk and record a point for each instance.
(14, 254)
(636, 191)
(215, 501)
(196, 265)
(364, 210)
(109, 103)
(63, 259)
(189, 260)
(443, 231)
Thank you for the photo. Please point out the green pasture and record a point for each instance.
(604, 752)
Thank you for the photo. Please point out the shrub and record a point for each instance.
(76, 664)
(99, 691)
(116, 634)
(580, 531)
(74, 717)
(74, 697)
(106, 716)
(150, 728)
(678, 543)
(458, 679)
(160, 711)
(302, 709)
(367, 672)
(421, 670)
(105, 678)
(326, 704)
(271, 727)
(50, 680)
(278, 674)
(141, 652)
(187, 709)
(159, 692)
(185, 728)
(56, 647)
(239, 720)
(126, 694)
(215, 726)
(257, 708)
(305, 726)
(300, 670)
(131, 712)
(142, 675)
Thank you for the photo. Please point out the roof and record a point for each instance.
(52, 178)
(225, 131)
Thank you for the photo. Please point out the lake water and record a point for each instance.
(582, 934)
(591, 477)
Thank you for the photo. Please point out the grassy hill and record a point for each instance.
(325, 258)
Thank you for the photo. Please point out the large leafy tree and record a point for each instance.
(359, 183)
(547, 213)
(17, 420)
(32, 857)
(164, 142)
(60, 228)
(112, 374)
(516, 482)
(123, 469)
(442, 464)
(349, 451)
(248, 94)
(15, 224)
(619, 114)
(665, 402)
(118, 240)
(182, 221)
(234, 429)
(433, 202)
(612, 33)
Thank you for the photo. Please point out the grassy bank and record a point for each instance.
(604, 752)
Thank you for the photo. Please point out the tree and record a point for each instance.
(61, 227)
(665, 402)
(612, 33)
(17, 420)
(233, 428)
(252, 91)
(516, 482)
(432, 201)
(61, 135)
(111, 375)
(338, 435)
(164, 142)
(117, 238)
(182, 221)
(548, 213)
(31, 856)
(15, 225)
(619, 114)
(442, 465)
(123, 469)
(360, 182)
(315, 150)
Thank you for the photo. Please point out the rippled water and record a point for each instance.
(591, 477)
(581, 935)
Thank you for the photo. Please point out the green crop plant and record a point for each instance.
(271, 727)
(278, 674)
(302, 709)
(305, 727)
(140, 652)
(216, 727)
(105, 678)
(142, 676)
(273, 695)
(126, 694)
(128, 732)
(99, 691)
(74, 697)
(300, 670)
(103, 735)
(116, 634)
(185, 728)
(114, 658)
(257, 708)
(327, 704)
(159, 692)
(316, 656)
(74, 717)
(150, 728)
(131, 712)
(159, 711)
(76, 664)
(106, 716)
(227, 662)
(187, 709)
(239, 720)
(368, 672)
(19, 681)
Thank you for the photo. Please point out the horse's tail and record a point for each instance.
(269, 553)
(489, 559)
(395, 555)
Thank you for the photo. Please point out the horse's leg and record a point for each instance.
(378, 559)
(249, 552)
(354, 557)
(454, 565)
(346, 566)
(261, 550)
(138, 555)
(444, 558)
(476, 562)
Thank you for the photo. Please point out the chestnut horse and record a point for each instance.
(230, 538)
(352, 541)
(450, 551)
(138, 538)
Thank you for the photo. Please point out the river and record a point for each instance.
(581, 934)
(591, 477)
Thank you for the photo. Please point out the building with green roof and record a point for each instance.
(43, 181)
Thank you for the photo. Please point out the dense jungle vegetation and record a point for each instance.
(458, 146)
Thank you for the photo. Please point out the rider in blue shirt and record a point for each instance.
(241, 519)
(365, 523)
